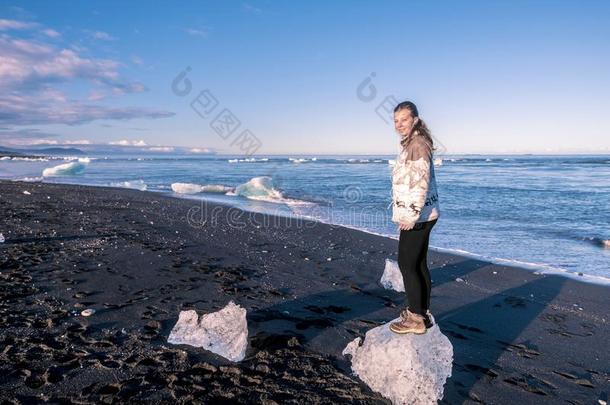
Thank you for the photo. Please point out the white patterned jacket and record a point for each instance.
(414, 192)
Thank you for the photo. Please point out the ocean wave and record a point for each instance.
(300, 160)
(67, 169)
(600, 242)
(360, 161)
(134, 184)
(248, 160)
(29, 179)
(29, 159)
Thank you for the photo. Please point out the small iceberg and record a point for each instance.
(224, 332)
(406, 369)
(258, 188)
(391, 279)
(190, 188)
(67, 169)
(186, 188)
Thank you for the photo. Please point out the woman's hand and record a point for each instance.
(404, 226)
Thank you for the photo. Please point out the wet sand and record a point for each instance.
(139, 258)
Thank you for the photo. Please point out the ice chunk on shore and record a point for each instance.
(190, 188)
(224, 332)
(186, 188)
(2, 238)
(391, 278)
(407, 368)
(258, 188)
(66, 169)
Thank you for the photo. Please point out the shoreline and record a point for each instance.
(133, 256)
(537, 268)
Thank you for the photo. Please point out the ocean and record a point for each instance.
(547, 213)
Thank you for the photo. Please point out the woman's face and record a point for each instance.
(403, 122)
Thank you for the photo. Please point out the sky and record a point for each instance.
(306, 77)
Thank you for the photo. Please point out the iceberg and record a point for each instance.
(258, 188)
(190, 188)
(186, 188)
(224, 332)
(405, 368)
(391, 279)
(66, 169)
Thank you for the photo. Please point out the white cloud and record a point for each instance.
(6, 25)
(30, 70)
(200, 150)
(103, 36)
(136, 60)
(96, 95)
(197, 32)
(161, 149)
(249, 8)
(51, 33)
(125, 142)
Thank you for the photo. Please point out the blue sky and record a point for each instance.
(487, 76)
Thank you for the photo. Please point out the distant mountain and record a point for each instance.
(40, 151)
(58, 151)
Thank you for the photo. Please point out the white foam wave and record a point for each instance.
(248, 160)
(30, 159)
(538, 268)
(134, 184)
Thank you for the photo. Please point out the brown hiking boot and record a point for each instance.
(409, 323)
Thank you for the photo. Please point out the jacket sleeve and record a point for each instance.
(410, 186)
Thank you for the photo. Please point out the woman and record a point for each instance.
(415, 208)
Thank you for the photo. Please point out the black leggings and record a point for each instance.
(413, 264)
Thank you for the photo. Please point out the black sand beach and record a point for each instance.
(139, 258)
